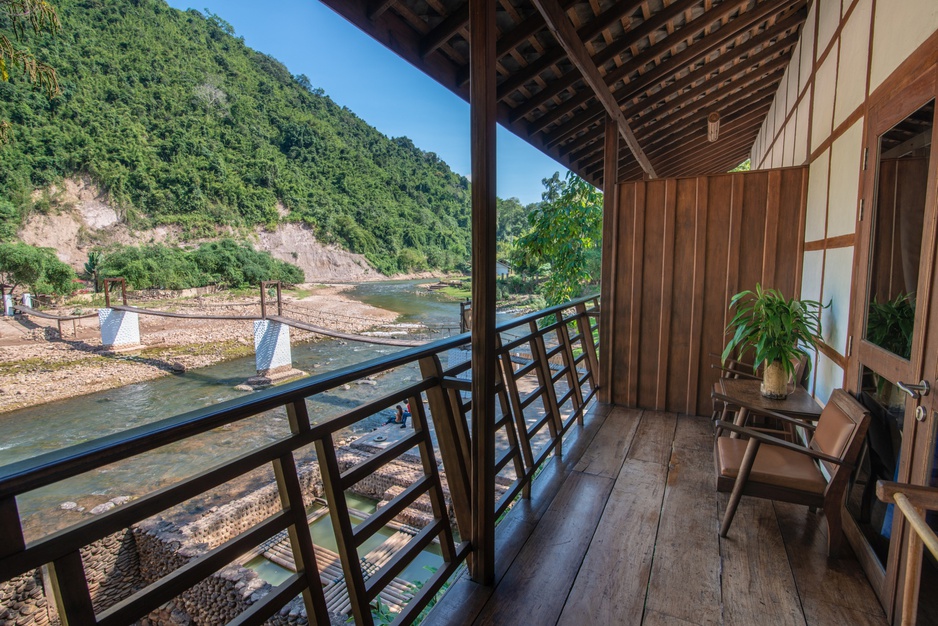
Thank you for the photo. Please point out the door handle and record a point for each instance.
(916, 391)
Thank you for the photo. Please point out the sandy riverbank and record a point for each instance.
(36, 366)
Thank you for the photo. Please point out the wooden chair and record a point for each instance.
(767, 467)
(735, 369)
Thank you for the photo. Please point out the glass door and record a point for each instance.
(896, 250)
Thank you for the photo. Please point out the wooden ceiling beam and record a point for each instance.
(657, 120)
(531, 25)
(699, 115)
(678, 161)
(649, 55)
(704, 163)
(555, 88)
(720, 93)
(706, 72)
(751, 112)
(444, 31)
(689, 56)
(694, 141)
(377, 7)
(565, 33)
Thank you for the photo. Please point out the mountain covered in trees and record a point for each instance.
(181, 123)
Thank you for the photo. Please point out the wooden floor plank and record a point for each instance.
(614, 438)
(652, 441)
(757, 579)
(825, 585)
(465, 599)
(654, 618)
(643, 547)
(685, 576)
(535, 587)
(610, 587)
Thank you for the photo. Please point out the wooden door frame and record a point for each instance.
(887, 107)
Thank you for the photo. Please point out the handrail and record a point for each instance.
(911, 500)
(560, 408)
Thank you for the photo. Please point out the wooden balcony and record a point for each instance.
(624, 530)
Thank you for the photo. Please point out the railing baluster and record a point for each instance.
(514, 396)
(573, 380)
(539, 352)
(588, 344)
(342, 524)
(509, 424)
(70, 588)
(455, 457)
(428, 460)
(291, 497)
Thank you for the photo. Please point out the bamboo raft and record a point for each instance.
(397, 594)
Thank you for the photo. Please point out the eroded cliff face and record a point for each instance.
(80, 217)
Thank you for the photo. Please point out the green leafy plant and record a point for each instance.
(890, 324)
(775, 328)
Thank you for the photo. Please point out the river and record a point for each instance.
(36, 430)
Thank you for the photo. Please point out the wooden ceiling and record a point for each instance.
(658, 67)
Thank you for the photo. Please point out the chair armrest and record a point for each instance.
(735, 372)
(761, 411)
(775, 441)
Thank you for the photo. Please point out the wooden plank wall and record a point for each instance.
(682, 248)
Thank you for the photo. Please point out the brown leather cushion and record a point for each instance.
(773, 466)
(834, 429)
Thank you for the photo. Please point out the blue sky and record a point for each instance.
(380, 87)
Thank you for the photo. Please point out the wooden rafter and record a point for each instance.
(679, 62)
(656, 67)
(444, 31)
(563, 30)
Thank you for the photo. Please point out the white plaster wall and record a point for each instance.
(846, 161)
(816, 212)
(828, 20)
(823, 113)
(899, 27)
(835, 320)
(829, 376)
(854, 44)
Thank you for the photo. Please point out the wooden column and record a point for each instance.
(482, 99)
(610, 246)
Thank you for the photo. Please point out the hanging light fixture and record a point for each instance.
(713, 126)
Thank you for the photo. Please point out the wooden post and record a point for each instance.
(483, 109)
(609, 257)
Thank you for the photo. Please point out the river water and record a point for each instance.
(29, 432)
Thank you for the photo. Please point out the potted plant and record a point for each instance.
(890, 325)
(778, 330)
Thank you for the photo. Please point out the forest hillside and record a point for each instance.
(181, 124)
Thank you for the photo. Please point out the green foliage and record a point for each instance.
(775, 328)
(745, 166)
(565, 238)
(36, 268)
(16, 17)
(890, 324)
(226, 262)
(91, 268)
(181, 123)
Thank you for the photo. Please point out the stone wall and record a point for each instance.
(112, 568)
(124, 562)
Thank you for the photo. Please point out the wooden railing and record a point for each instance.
(912, 501)
(532, 393)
